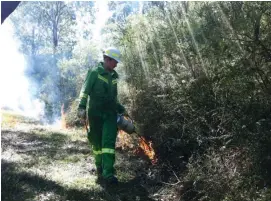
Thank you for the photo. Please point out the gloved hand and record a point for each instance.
(82, 114)
(125, 113)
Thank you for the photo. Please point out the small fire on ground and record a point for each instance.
(147, 147)
(144, 147)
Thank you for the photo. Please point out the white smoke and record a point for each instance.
(102, 14)
(15, 88)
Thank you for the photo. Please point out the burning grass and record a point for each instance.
(125, 141)
(147, 148)
(138, 145)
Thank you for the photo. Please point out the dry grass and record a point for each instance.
(46, 163)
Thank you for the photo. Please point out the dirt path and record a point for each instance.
(44, 163)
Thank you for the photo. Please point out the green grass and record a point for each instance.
(44, 163)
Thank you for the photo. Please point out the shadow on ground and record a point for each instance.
(42, 145)
(129, 191)
(25, 186)
(18, 184)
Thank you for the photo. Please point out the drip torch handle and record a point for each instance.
(127, 115)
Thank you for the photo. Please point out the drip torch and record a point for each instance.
(127, 125)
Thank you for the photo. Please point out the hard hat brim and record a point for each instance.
(117, 60)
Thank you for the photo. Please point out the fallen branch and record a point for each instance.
(170, 183)
(178, 180)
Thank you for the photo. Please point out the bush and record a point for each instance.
(71, 115)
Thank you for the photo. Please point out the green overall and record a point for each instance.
(101, 88)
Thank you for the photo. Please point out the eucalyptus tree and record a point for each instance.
(46, 31)
(200, 76)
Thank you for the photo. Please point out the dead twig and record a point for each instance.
(170, 183)
(178, 180)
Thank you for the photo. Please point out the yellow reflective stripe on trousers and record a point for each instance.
(83, 95)
(108, 151)
(97, 152)
(103, 78)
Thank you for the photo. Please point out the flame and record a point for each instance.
(148, 149)
(63, 118)
(144, 147)
(124, 140)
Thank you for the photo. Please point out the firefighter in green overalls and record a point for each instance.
(101, 87)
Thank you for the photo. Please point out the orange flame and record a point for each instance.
(148, 149)
(124, 140)
(145, 147)
(63, 118)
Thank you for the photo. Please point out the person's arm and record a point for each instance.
(120, 108)
(86, 88)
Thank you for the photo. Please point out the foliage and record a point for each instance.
(49, 163)
(200, 76)
(58, 55)
(196, 77)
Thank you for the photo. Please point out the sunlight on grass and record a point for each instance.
(125, 175)
(51, 164)
(11, 155)
(52, 154)
(11, 119)
(47, 196)
(72, 159)
(86, 182)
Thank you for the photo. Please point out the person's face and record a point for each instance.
(111, 63)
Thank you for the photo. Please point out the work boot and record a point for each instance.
(111, 180)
